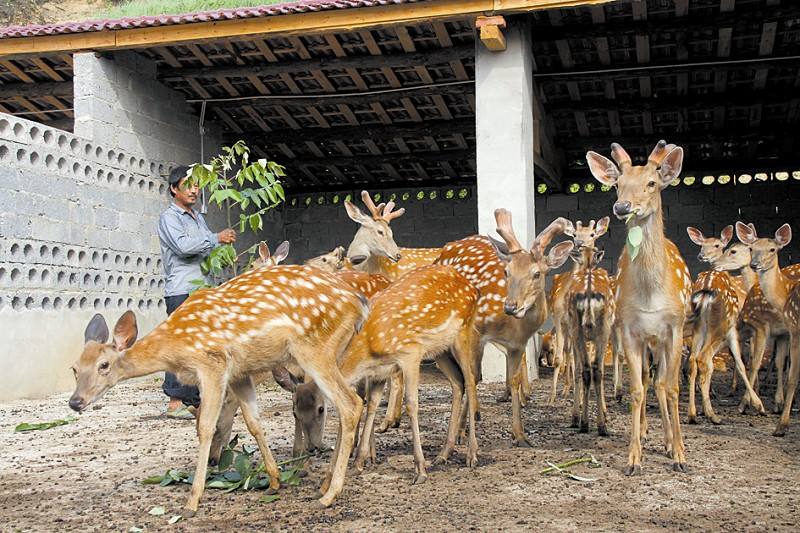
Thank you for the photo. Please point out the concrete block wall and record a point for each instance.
(120, 103)
(77, 236)
(708, 208)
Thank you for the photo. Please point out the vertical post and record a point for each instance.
(504, 137)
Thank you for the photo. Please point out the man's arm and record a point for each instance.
(171, 233)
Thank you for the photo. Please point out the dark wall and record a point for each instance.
(708, 208)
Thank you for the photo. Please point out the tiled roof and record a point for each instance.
(289, 8)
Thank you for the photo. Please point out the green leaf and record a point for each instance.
(255, 222)
(157, 511)
(175, 519)
(235, 195)
(242, 465)
(218, 484)
(25, 426)
(134, 529)
(152, 480)
(269, 498)
(225, 459)
(232, 476)
(234, 442)
(165, 481)
(634, 241)
(271, 194)
(279, 190)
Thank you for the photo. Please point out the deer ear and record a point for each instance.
(746, 233)
(671, 166)
(558, 254)
(97, 330)
(726, 235)
(355, 214)
(784, 235)
(696, 235)
(597, 257)
(125, 331)
(602, 226)
(569, 228)
(281, 252)
(284, 378)
(603, 169)
(263, 251)
(501, 248)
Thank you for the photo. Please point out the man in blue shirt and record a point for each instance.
(185, 241)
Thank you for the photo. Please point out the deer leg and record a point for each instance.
(222, 435)
(693, 356)
(558, 358)
(673, 376)
(757, 345)
(394, 408)
(467, 349)
(598, 370)
(633, 354)
(750, 393)
(513, 357)
(575, 421)
(211, 390)
(245, 392)
(706, 364)
(660, 386)
(374, 393)
(582, 355)
(645, 388)
(616, 348)
(453, 373)
(569, 369)
(791, 385)
(411, 375)
(781, 350)
(525, 381)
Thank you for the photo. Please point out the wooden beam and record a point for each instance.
(491, 32)
(62, 89)
(326, 63)
(378, 160)
(765, 47)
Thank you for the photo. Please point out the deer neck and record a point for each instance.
(148, 355)
(649, 265)
(749, 277)
(775, 286)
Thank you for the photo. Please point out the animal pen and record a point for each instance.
(451, 110)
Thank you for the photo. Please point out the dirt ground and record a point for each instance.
(86, 476)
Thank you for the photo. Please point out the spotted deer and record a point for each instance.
(513, 304)
(759, 322)
(782, 293)
(590, 317)
(333, 261)
(219, 337)
(582, 236)
(428, 313)
(715, 304)
(653, 288)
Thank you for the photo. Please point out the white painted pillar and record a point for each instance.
(504, 134)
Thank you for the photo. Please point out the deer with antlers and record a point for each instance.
(653, 289)
(219, 337)
(582, 236)
(782, 293)
(590, 317)
(715, 305)
(759, 322)
(513, 304)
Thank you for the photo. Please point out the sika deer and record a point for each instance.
(582, 236)
(653, 287)
(512, 305)
(783, 294)
(590, 317)
(714, 316)
(219, 337)
(427, 313)
(333, 261)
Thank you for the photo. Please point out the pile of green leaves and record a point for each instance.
(25, 426)
(242, 476)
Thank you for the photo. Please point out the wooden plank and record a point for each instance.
(312, 176)
(380, 159)
(574, 91)
(258, 84)
(289, 82)
(265, 50)
(62, 89)
(391, 78)
(639, 9)
(583, 125)
(323, 81)
(726, 6)
(230, 89)
(348, 114)
(24, 102)
(335, 45)
(405, 39)
(421, 171)
(724, 42)
(459, 70)
(371, 146)
(681, 8)
(765, 47)
(314, 149)
(411, 109)
(168, 57)
(564, 53)
(647, 122)
(299, 47)
(598, 14)
(342, 147)
(423, 74)
(253, 114)
(614, 123)
(370, 43)
(441, 35)
(199, 54)
(198, 88)
(642, 49)
(286, 117)
(441, 106)
(226, 118)
(47, 69)
(325, 63)
(359, 82)
(16, 71)
(283, 147)
(316, 115)
(603, 54)
(378, 109)
(719, 117)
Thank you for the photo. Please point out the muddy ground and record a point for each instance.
(86, 476)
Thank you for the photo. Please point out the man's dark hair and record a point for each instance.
(175, 177)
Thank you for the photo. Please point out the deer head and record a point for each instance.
(101, 365)
(526, 270)
(332, 261)
(711, 248)
(735, 257)
(265, 259)
(638, 187)
(588, 234)
(308, 408)
(764, 251)
(374, 237)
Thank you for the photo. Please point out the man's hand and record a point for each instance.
(226, 236)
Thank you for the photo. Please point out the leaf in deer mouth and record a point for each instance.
(634, 241)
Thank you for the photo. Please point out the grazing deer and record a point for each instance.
(782, 293)
(759, 322)
(219, 337)
(715, 305)
(582, 236)
(427, 313)
(513, 304)
(590, 317)
(653, 288)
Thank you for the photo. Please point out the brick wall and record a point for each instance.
(708, 208)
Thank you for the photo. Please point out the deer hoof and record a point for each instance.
(692, 419)
(575, 422)
(618, 397)
(632, 470)
(715, 420)
(440, 460)
(521, 442)
(419, 479)
(680, 467)
(188, 513)
(602, 431)
(472, 459)
(780, 431)
(584, 428)
(777, 408)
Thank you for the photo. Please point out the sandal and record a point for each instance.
(182, 413)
